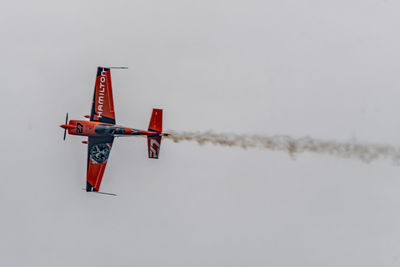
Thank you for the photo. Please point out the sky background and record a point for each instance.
(326, 69)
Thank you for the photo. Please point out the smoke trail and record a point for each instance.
(361, 151)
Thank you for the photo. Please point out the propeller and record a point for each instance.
(65, 130)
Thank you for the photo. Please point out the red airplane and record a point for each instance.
(101, 130)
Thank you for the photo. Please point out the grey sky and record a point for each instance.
(328, 69)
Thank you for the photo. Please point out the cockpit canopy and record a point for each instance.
(109, 129)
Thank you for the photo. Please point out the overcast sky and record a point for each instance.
(326, 69)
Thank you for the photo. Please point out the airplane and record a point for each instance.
(101, 130)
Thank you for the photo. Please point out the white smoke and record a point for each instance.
(351, 149)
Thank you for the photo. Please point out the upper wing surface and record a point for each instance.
(103, 103)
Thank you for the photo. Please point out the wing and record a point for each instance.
(98, 151)
(103, 104)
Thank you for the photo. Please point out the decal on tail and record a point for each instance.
(154, 144)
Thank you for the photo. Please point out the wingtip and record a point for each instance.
(121, 68)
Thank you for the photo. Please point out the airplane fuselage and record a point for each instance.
(93, 128)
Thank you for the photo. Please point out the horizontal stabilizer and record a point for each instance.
(154, 143)
(156, 120)
(154, 140)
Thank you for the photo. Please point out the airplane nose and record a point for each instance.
(67, 126)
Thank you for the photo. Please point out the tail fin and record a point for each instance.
(154, 141)
(156, 120)
(153, 144)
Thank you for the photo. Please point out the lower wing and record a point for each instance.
(98, 151)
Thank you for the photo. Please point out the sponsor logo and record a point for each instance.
(101, 93)
(99, 153)
(154, 151)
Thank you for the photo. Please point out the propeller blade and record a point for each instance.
(66, 122)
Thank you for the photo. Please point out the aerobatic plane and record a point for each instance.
(101, 129)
